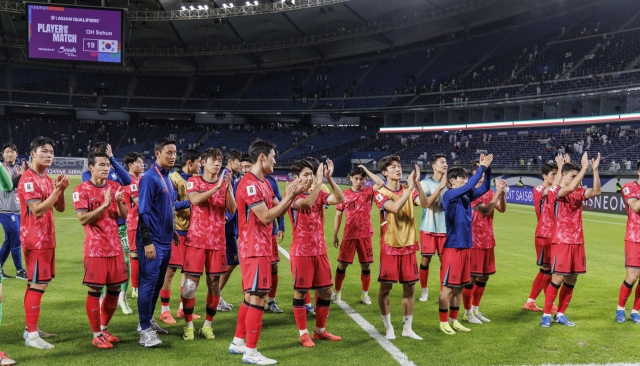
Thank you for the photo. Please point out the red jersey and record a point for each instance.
(568, 216)
(357, 208)
(481, 225)
(544, 213)
(401, 224)
(206, 230)
(35, 232)
(254, 237)
(101, 238)
(131, 192)
(632, 191)
(308, 227)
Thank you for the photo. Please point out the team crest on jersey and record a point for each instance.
(251, 190)
(28, 187)
(76, 196)
(539, 188)
(190, 185)
(379, 197)
(134, 188)
(626, 190)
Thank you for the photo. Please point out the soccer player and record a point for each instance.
(455, 267)
(432, 228)
(211, 198)
(567, 247)
(398, 241)
(133, 161)
(38, 194)
(309, 262)
(190, 166)
(4, 359)
(277, 234)
(156, 232)
(357, 230)
(257, 208)
(631, 195)
(234, 169)
(98, 203)
(483, 259)
(245, 164)
(544, 232)
(10, 213)
(116, 174)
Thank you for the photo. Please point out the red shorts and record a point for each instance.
(431, 244)
(543, 251)
(455, 267)
(256, 274)
(41, 265)
(568, 259)
(398, 268)
(177, 253)
(131, 234)
(275, 258)
(632, 254)
(483, 262)
(311, 273)
(197, 259)
(349, 247)
(105, 271)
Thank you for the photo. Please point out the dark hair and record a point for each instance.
(131, 158)
(568, 167)
(435, 158)
(233, 154)
(455, 173)
(299, 165)
(190, 154)
(10, 146)
(40, 142)
(357, 171)
(638, 166)
(161, 143)
(384, 163)
(260, 147)
(98, 147)
(212, 153)
(245, 157)
(94, 155)
(547, 168)
(474, 166)
(315, 163)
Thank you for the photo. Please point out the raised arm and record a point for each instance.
(337, 196)
(198, 198)
(485, 187)
(307, 202)
(596, 190)
(266, 215)
(123, 175)
(337, 222)
(433, 196)
(397, 205)
(498, 201)
(454, 193)
(61, 182)
(422, 198)
(378, 182)
(575, 183)
(230, 201)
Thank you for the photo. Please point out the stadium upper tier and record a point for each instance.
(585, 49)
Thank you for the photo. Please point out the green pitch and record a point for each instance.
(512, 337)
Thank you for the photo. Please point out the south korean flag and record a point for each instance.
(108, 46)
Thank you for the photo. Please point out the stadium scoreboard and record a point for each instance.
(74, 33)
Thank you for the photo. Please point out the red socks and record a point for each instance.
(424, 276)
(537, 286)
(625, 292)
(165, 297)
(253, 324)
(134, 272)
(478, 291)
(340, 274)
(241, 329)
(187, 307)
(365, 278)
(565, 297)
(212, 306)
(274, 285)
(307, 298)
(443, 315)
(109, 306)
(453, 312)
(636, 304)
(322, 312)
(467, 294)
(300, 313)
(93, 310)
(32, 301)
(550, 295)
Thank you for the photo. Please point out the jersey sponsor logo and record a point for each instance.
(379, 197)
(251, 190)
(28, 187)
(134, 188)
(190, 185)
(626, 190)
(76, 196)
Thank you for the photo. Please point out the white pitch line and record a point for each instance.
(394, 351)
(604, 222)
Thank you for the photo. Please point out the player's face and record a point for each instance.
(550, 177)
(101, 169)
(268, 162)
(306, 177)
(212, 166)
(9, 155)
(357, 182)
(481, 178)
(245, 167)
(568, 177)
(137, 166)
(43, 155)
(166, 156)
(458, 182)
(194, 167)
(440, 165)
(394, 171)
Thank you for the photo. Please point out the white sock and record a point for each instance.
(189, 325)
(134, 289)
(121, 296)
(166, 308)
(238, 341)
(33, 335)
(103, 327)
(468, 312)
(303, 332)
(559, 315)
(307, 304)
(451, 320)
(408, 319)
(634, 311)
(366, 293)
(250, 351)
(549, 315)
(386, 319)
(179, 306)
(531, 300)
(207, 323)
(475, 309)
(444, 323)
(271, 299)
(320, 330)
(620, 308)
(96, 334)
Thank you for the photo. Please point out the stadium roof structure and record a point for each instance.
(193, 35)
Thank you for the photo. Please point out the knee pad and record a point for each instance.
(189, 289)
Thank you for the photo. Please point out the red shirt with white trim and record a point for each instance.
(544, 213)
(568, 216)
(357, 209)
(206, 230)
(481, 225)
(254, 237)
(308, 227)
(36, 233)
(131, 192)
(632, 191)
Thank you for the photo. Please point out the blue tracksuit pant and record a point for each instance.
(11, 225)
(151, 278)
